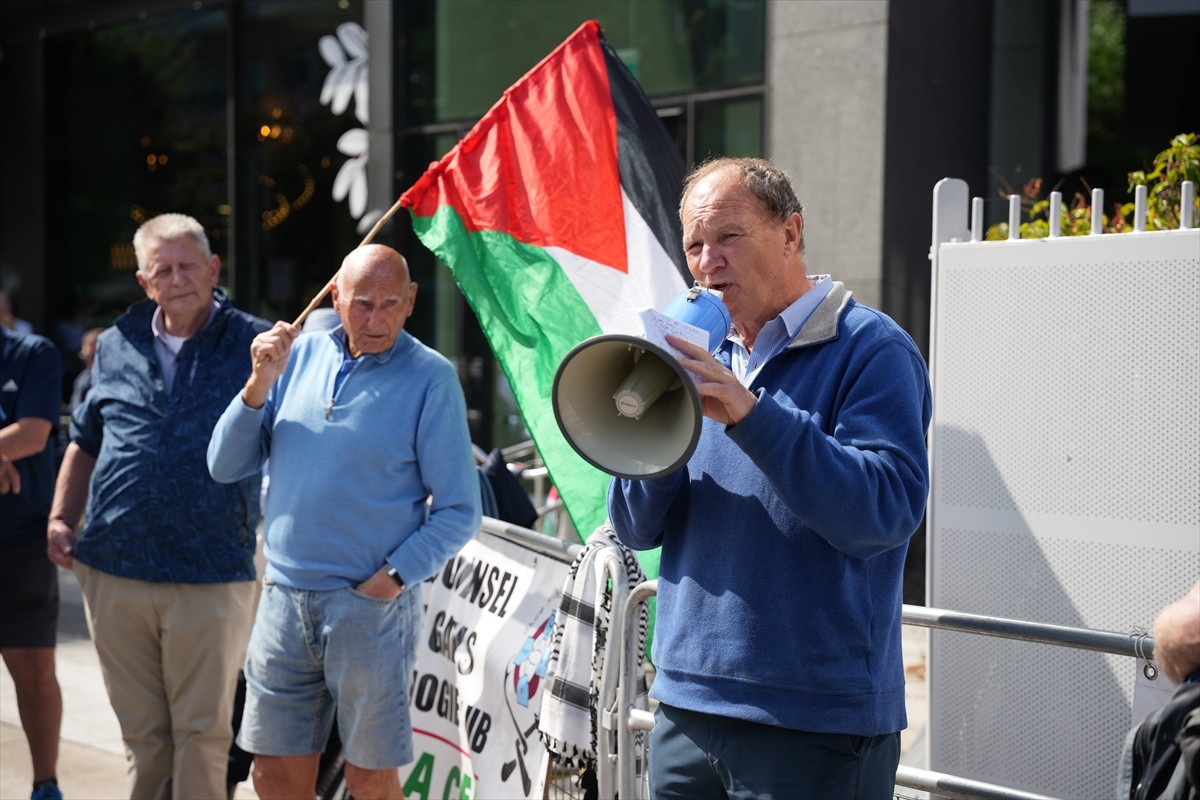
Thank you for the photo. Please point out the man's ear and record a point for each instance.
(793, 233)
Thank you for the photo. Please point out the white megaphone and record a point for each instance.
(626, 405)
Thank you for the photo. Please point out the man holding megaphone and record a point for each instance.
(778, 632)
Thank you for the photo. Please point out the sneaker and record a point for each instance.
(46, 791)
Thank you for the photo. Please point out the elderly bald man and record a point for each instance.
(373, 488)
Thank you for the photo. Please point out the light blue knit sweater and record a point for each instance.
(381, 471)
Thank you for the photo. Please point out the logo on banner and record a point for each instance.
(522, 681)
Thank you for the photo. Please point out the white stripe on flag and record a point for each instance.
(615, 297)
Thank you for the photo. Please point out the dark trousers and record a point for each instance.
(697, 756)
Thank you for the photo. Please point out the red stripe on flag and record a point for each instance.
(541, 165)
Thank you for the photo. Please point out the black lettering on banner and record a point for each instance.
(484, 585)
(479, 722)
(425, 694)
(449, 570)
(432, 692)
(506, 592)
(448, 702)
(464, 661)
(453, 640)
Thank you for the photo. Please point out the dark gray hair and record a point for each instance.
(770, 184)
(168, 228)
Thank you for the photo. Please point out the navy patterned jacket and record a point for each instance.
(154, 513)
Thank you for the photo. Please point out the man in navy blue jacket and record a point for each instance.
(165, 559)
(778, 633)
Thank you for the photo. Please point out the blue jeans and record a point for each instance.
(316, 653)
(694, 756)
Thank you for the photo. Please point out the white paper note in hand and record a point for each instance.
(657, 325)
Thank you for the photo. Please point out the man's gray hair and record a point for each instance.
(770, 184)
(168, 228)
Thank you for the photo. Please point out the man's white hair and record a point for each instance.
(168, 228)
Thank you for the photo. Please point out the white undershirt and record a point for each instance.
(167, 346)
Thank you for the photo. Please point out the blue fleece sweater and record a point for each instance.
(351, 472)
(154, 513)
(783, 538)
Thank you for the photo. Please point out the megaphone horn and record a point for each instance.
(626, 405)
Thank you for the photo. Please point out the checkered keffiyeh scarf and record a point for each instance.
(570, 708)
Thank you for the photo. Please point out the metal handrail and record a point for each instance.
(609, 746)
(548, 545)
(631, 719)
(944, 785)
(1134, 645)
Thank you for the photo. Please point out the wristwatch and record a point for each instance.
(394, 575)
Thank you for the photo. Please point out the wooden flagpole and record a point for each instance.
(316, 301)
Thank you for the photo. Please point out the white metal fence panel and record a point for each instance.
(1066, 485)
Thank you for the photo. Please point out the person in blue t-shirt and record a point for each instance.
(30, 388)
(778, 633)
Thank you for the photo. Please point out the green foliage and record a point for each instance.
(1178, 163)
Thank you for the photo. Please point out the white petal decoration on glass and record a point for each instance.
(331, 50)
(354, 39)
(368, 221)
(346, 56)
(351, 180)
(353, 142)
(361, 92)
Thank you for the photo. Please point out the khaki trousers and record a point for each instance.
(170, 655)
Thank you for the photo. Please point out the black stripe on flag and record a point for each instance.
(651, 167)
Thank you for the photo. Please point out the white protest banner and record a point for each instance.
(477, 686)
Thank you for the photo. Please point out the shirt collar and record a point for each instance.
(170, 341)
(795, 315)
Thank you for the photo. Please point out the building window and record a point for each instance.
(135, 126)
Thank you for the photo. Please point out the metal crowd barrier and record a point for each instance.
(626, 718)
(619, 762)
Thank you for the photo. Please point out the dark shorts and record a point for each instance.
(28, 598)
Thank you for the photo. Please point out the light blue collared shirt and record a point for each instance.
(775, 335)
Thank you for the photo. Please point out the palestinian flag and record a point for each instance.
(557, 216)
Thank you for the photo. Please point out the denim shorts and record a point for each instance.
(316, 653)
